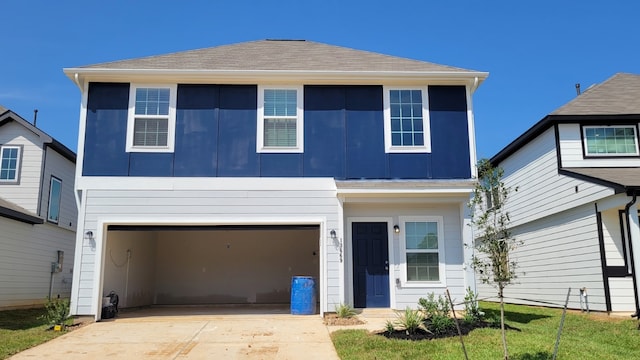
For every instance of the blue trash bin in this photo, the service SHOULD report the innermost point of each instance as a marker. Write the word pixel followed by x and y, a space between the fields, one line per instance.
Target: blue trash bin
pixel 303 295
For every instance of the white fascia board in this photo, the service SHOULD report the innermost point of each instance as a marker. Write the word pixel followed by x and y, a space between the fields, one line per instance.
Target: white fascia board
pixel 404 191
pixel 275 76
pixel 204 183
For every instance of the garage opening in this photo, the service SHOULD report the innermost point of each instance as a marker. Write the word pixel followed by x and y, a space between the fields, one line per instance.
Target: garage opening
pixel 208 265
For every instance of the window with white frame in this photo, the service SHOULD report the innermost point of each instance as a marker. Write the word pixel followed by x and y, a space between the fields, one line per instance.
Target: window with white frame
pixel 406 120
pixel 280 119
pixel 422 248
pixel 55 196
pixel 152 119
pixel 610 140
pixel 9 163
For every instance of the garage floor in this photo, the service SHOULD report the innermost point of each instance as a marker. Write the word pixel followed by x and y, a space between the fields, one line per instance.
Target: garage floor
pixel 220 332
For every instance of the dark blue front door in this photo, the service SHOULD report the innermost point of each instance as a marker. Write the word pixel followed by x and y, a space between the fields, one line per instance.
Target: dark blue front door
pixel 370 264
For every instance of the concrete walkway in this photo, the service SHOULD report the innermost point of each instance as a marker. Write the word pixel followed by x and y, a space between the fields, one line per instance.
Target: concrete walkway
pixel 194 333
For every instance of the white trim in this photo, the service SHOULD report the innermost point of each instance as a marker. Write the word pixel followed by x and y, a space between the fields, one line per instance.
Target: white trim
pixel 322 77
pixel 16 180
pixel 348 257
pixel 389 148
pixel 340 232
pixel 605 155
pixel 473 155
pixel 81 136
pixel 299 148
pixel 77 259
pixel 103 222
pixel 171 118
pixel 441 252
pixel 467 247
pixel 204 183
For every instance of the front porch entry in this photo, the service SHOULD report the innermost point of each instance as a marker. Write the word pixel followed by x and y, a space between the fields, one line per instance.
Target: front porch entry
pixel 370 264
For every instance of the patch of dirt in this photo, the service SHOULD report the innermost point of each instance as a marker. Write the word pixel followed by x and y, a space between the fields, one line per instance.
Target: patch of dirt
pixel 334 320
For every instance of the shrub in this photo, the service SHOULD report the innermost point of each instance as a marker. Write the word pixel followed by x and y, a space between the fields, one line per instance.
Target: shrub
pixel 472 312
pixel 434 307
pixel 57 311
pixel 345 311
pixel 389 327
pixel 410 321
pixel 436 313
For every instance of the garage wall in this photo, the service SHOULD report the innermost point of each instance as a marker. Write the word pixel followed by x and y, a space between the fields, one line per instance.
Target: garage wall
pixel 233 266
pixel 129 267
pixel 200 201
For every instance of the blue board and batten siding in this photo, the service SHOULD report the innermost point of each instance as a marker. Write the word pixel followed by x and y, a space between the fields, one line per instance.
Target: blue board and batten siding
pixel 216 136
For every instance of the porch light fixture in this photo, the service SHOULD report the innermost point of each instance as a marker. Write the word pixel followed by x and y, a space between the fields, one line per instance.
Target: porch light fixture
pixel 89 234
pixel 396 229
pixel 332 233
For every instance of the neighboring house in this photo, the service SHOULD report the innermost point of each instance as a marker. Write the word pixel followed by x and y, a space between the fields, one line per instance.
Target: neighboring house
pixel 577 175
pixel 214 176
pixel 37 214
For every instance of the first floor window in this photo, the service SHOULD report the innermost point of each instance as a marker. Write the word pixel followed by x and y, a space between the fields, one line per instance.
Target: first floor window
pixel 610 140
pixel 423 250
pixel 280 125
pixel 55 195
pixel 406 120
pixel 151 118
pixel 10 159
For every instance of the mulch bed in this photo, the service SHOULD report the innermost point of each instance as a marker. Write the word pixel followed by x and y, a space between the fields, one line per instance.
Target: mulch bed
pixel 425 335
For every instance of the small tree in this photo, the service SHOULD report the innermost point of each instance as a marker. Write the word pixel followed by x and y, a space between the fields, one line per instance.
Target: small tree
pixel 494 244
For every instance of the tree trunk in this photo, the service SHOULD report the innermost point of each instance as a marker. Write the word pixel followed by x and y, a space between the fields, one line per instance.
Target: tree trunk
pixel 504 333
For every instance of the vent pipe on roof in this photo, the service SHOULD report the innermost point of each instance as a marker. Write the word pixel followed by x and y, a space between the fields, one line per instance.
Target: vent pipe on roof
pixel 578 89
pixel 35 116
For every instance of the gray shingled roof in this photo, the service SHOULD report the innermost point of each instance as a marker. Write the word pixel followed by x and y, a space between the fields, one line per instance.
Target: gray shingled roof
pixel 2 109
pixel 13 211
pixel 624 177
pixel 618 95
pixel 283 55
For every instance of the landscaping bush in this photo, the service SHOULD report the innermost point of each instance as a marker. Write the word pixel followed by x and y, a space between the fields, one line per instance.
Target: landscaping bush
pixel 56 311
pixel 410 321
pixel 345 311
pixel 436 314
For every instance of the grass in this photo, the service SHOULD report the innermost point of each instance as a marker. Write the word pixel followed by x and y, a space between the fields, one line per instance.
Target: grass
pixel 531 336
pixel 22 329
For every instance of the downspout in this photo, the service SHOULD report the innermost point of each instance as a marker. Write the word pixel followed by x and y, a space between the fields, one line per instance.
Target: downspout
pixel 473 87
pixel 76 80
pixel 636 276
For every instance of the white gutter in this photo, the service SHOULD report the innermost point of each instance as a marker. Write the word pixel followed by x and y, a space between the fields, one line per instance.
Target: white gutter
pixel 276 76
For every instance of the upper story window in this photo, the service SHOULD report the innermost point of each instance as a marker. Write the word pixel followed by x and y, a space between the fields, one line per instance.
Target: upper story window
pixel 422 247
pixel 610 141
pixel 55 196
pixel 9 163
pixel 280 119
pixel 152 119
pixel 406 120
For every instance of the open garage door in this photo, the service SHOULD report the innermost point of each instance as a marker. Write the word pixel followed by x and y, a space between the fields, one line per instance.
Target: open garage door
pixel 205 265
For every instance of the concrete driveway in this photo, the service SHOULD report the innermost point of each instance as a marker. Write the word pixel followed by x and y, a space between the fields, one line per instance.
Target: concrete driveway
pixel 194 333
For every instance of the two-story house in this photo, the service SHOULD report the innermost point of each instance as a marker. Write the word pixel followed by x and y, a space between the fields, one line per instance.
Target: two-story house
pixel 214 176
pixel 37 214
pixel 577 175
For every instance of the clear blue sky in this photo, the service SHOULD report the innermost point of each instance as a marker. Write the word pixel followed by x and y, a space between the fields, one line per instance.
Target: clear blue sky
pixel 534 51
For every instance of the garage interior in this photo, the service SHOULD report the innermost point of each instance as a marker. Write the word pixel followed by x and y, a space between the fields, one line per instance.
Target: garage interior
pixel 208 265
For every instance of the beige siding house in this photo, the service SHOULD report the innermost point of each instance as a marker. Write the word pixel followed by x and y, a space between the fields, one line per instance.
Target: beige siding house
pixel 37 214
pixel 577 175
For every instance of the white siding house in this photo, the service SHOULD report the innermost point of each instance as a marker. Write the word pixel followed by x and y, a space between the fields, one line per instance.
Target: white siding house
pixel 234 173
pixel 574 180
pixel 38 220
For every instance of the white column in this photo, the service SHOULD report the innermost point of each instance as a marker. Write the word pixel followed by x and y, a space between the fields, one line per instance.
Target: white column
pixel 467 242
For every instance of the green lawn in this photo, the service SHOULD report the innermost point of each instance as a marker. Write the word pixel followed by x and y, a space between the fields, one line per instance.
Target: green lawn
pixel 21 329
pixel 532 337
